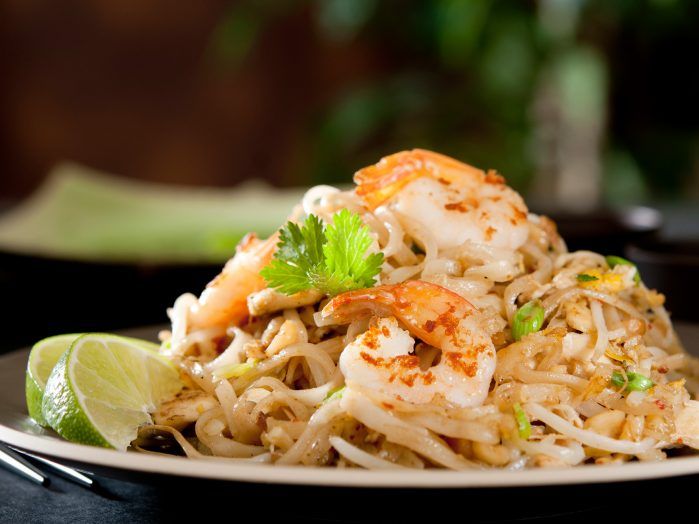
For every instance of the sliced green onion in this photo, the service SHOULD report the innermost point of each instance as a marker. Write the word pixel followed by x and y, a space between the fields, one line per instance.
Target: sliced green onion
pixel 617 379
pixel 614 261
pixel 334 394
pixel 636 381
pixel 524 428
pixel 528 319
pixel 584 277
pixel 235 370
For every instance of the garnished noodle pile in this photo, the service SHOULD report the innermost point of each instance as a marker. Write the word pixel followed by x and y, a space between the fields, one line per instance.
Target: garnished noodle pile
pixel 262 368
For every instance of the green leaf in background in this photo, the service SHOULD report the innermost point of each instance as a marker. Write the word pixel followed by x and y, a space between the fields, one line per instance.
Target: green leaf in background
pixel 82 214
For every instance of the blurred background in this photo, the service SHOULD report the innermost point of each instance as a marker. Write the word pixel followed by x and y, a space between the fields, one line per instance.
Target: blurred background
pixel 592 99
pixel 587 106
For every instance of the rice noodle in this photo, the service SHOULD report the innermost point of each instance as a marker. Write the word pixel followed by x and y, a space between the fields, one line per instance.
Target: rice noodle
pixel 587 437
pixel 308 351
pixel 178 316
pixel 412 437
pixel 317 193
pixel 571 455
pixel 227 398
pixel 602 340
pixel 395 245
pixel 233 354
pixel 220 445
pixel 190 450
pixel 320 421
pixel 530 376
pixel 360 457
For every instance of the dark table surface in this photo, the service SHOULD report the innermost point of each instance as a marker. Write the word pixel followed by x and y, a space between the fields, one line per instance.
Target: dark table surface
pixel 160 500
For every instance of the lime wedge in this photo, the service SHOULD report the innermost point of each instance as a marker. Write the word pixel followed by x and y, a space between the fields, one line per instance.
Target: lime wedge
pixel 104 387
pixel 42 359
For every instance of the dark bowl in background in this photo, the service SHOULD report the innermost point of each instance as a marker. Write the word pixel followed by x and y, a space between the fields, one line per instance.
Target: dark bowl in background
pixel 671 267
pixel 605 231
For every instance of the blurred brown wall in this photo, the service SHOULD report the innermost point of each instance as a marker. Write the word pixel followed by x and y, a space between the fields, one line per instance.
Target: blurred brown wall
pixel 129 86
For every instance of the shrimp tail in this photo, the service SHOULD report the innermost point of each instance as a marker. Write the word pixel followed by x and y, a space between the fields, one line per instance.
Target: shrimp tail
pixel 378 183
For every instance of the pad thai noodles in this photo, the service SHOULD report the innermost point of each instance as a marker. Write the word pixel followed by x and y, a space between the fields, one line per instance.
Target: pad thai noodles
pixel 425 319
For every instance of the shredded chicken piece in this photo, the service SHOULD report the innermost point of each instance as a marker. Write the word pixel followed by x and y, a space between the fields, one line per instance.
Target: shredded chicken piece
pixel 184 409
pixel 268 301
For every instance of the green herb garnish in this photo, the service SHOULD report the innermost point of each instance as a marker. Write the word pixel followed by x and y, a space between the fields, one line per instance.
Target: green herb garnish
pixel 528 319
pixel 524 427
pixel 330 259
pixel 613 261
pixel 584 277
pixel 636 381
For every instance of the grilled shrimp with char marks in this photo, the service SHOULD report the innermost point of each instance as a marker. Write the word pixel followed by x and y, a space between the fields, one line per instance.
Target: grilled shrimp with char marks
pixel 455 201
pixel 382 358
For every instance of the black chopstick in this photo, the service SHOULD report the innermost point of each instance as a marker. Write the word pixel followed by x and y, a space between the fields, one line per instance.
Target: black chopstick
pixel 15 462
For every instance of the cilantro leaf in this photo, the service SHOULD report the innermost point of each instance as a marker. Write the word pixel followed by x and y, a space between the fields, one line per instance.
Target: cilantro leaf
pixel 302 246
pixel 348 240
pixel 299 252
pixel 286 277
pixel 330 259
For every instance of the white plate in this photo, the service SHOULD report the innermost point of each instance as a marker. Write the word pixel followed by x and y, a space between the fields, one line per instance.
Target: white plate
pixel 17 429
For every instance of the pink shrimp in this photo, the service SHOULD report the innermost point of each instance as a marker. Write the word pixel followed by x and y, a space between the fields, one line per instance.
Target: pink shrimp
pixel 382 357
pixel 224 301
pixel 455 201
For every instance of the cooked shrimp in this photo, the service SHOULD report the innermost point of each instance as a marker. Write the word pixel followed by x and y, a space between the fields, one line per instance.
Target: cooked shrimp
pixel 455 201
pixel 382 357
pixel 224 301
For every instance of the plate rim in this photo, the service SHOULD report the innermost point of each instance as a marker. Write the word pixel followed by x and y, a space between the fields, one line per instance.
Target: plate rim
pixel 222 469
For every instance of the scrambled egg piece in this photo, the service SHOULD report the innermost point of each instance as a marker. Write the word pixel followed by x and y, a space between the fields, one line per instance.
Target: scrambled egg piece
pixel 613 281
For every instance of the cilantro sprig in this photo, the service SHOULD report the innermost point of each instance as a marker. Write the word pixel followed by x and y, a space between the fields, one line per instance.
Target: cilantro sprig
pixel 331 259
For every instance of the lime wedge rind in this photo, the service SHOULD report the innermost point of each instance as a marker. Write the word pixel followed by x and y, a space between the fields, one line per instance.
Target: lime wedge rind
pixel 61 408
pixel 103 388
pixel 34 395
pixel 42 359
